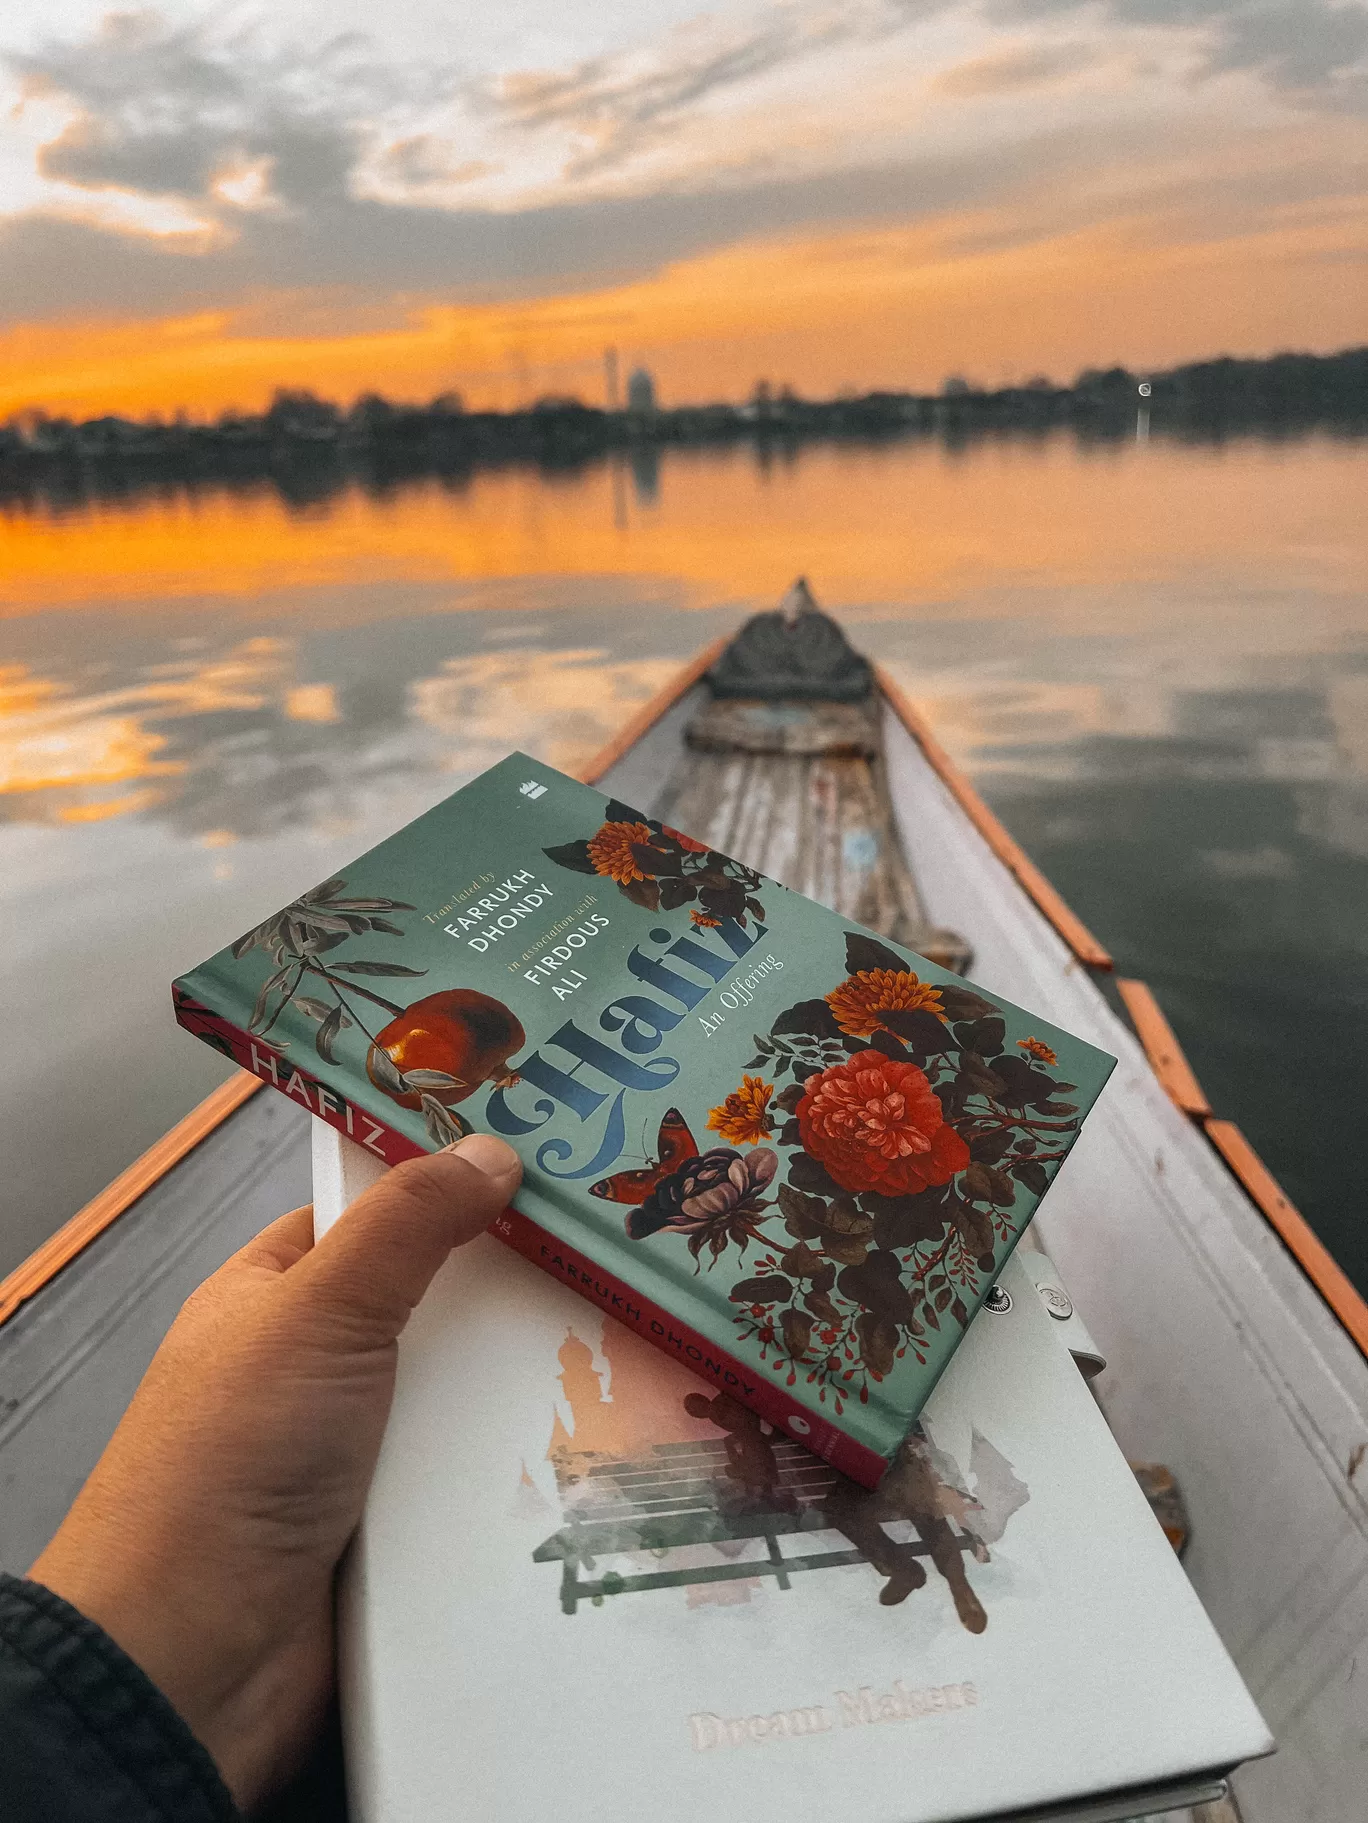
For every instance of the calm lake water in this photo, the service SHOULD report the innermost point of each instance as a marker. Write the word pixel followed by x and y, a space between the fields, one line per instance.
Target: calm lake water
pixel 1152 657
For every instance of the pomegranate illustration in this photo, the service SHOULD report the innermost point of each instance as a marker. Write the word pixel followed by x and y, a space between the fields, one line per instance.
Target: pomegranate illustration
pixel 460 1034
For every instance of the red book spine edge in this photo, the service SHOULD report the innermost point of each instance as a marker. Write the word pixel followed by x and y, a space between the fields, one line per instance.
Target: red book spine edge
pixel 712 1364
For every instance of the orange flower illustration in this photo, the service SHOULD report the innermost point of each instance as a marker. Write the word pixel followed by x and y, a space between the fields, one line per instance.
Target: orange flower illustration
pixel 744 1117
pixel 1037 1048
pixel 703 921
pixel 611 851
pixel 860 1002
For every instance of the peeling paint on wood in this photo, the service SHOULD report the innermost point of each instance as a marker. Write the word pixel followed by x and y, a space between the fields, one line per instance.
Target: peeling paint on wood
pixel 802 796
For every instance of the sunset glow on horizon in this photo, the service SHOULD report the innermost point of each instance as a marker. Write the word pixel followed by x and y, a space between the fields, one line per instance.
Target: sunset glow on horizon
pixel 195 212
pixel 864 309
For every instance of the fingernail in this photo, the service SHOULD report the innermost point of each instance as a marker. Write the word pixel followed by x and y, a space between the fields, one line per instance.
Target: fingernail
pixel 490 1156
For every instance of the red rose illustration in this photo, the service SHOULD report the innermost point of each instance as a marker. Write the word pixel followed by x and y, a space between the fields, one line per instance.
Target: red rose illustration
pixel 876 1124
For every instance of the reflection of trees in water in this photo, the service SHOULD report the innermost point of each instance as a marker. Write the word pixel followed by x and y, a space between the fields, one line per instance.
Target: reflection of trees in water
pixel 646 474
pixel 306 452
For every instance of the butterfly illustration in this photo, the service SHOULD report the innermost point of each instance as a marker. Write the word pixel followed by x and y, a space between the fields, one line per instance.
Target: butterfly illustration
pixel 675 1146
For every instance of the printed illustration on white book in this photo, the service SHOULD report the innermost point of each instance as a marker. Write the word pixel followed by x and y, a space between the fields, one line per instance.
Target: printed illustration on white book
pixel 660 1485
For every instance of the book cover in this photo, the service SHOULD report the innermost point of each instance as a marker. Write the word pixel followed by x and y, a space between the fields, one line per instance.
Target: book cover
pixel 587 1585
pixel 790 1152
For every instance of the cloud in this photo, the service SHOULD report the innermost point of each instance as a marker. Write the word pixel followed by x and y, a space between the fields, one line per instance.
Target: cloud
pixel 1020 66
pixel 1314 51
pixel 329 170
pixel 164 111
pixel 620 104
pixel 368 248
pixel 426 158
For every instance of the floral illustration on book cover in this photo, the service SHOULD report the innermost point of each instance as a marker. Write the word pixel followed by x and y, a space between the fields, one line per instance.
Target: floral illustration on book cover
pixel 883 1143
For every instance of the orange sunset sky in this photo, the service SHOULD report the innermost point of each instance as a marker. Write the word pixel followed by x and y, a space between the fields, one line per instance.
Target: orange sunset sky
pixel 199 204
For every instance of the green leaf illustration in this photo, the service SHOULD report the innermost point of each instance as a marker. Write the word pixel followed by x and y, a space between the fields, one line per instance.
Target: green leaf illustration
pixel 375 968
pixel 326 1035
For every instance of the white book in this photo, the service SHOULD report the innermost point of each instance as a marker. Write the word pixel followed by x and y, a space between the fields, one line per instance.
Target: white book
pixel 586 1588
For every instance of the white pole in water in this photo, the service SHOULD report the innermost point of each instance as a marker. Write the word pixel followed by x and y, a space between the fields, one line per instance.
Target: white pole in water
pixel 1142 413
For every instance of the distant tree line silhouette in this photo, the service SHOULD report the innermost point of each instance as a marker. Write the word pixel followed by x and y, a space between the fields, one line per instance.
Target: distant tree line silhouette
pixel 309 448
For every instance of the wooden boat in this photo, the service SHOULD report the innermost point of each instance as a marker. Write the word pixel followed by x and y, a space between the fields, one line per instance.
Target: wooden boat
pixel 1236 1347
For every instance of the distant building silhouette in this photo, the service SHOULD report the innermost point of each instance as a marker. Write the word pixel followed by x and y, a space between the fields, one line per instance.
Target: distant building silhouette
pixel 612 399
pixel 641 392
pixel 956 387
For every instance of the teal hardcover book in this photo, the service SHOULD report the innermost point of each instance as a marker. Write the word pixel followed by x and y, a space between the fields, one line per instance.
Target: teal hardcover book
pixel 790 1153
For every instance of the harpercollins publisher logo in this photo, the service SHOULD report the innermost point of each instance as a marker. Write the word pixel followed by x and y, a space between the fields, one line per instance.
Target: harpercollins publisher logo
pixel 531 789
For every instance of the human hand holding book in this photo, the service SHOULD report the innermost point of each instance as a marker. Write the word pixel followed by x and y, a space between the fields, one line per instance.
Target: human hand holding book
pixel 206 1542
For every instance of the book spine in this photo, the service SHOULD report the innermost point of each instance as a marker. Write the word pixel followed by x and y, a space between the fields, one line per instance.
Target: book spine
pixel 720 1370
pixel 282 1073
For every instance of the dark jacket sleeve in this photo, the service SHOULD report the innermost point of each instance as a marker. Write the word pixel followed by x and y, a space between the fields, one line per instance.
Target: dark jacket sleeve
pixel 85 1737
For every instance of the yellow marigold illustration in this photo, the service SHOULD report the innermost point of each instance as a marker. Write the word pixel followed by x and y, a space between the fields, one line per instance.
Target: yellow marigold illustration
pixel 744 1117
pixel 611 851
pixel 1037 1048
pixel 860 1002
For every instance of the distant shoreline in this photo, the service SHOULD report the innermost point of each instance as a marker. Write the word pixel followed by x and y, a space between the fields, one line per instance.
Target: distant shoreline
pixel 315 448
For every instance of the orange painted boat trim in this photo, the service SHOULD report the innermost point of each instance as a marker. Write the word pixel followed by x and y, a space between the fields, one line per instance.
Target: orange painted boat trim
pixel 77 1234
pixel 1163 1050
pixel 1027 875
pixel 650 713
pixel 1310 1253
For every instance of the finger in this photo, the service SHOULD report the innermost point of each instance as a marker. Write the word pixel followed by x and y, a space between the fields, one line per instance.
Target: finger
pixel 278 1247
pixel 378 1259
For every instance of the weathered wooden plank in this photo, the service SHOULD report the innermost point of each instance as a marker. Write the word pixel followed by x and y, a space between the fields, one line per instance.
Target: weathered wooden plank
pixel 736 725
pixel 809 808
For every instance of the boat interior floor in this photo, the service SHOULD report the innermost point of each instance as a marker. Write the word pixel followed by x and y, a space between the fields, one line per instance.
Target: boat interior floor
pixel 799 792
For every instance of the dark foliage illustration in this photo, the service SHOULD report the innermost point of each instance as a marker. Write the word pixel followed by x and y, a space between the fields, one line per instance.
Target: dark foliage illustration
pixel 661 870
pixel 900 1144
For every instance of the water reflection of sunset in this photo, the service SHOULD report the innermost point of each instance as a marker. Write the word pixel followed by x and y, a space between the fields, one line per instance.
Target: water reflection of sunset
pixel 917 525
pixel 226 720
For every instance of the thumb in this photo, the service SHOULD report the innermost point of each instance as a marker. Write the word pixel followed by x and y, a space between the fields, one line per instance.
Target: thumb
pixel 378 1259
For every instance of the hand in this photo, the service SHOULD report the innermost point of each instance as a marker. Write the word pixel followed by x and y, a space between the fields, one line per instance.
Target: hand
pixel 206 1540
